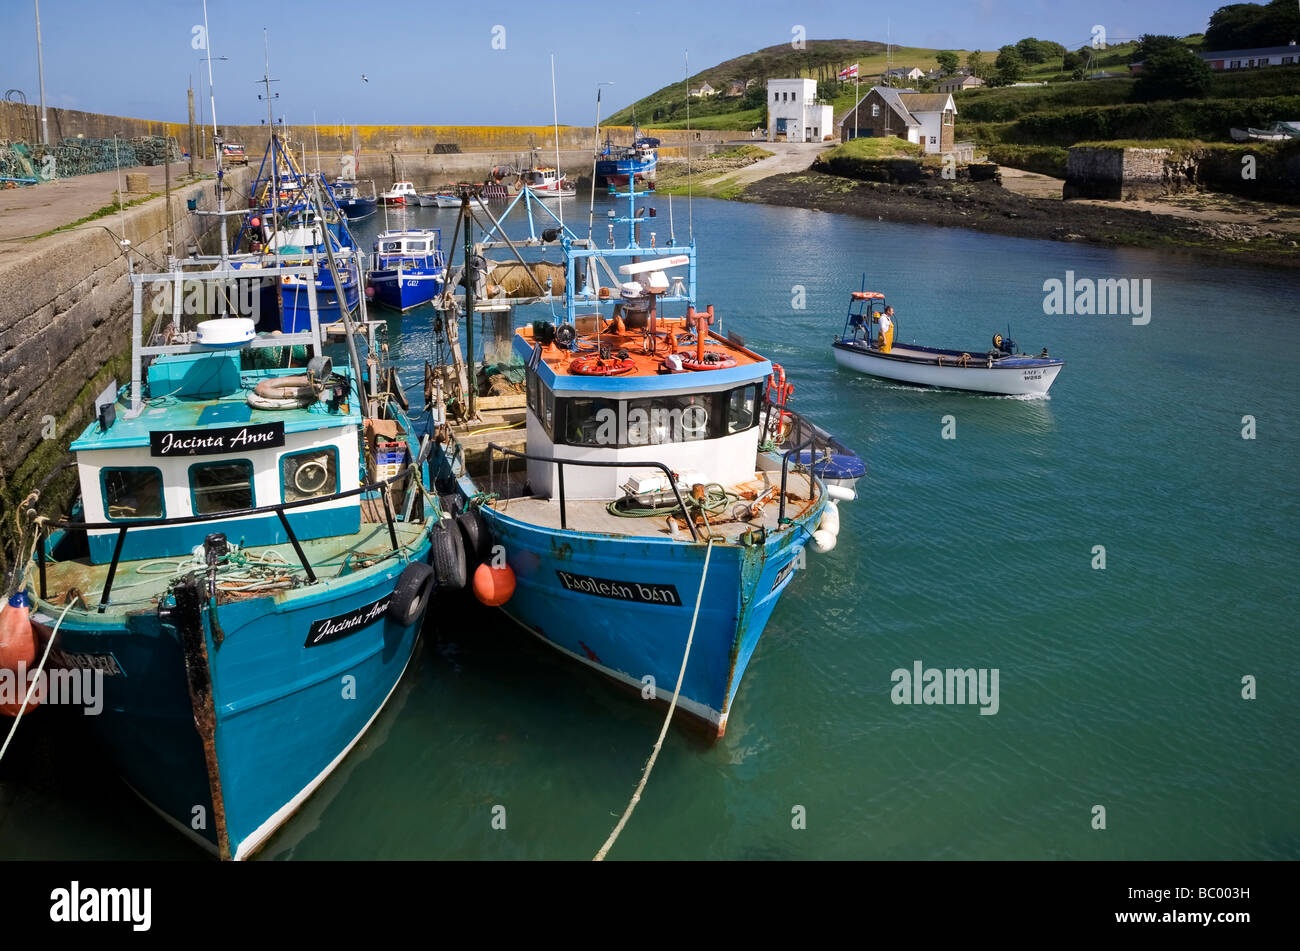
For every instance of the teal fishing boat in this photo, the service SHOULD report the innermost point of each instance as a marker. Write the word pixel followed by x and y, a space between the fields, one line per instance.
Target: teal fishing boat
pixel 248 565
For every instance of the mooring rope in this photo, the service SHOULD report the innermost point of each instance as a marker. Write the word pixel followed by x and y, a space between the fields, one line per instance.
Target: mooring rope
pixel 35 680
pixel 654 754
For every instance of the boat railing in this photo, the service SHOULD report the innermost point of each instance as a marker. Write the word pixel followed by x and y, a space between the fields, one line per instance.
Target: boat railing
pixel 278 509
pixel 595 463
pixel 810 445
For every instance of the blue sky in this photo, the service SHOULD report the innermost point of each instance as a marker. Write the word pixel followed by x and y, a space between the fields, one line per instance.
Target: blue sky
pixel 434 62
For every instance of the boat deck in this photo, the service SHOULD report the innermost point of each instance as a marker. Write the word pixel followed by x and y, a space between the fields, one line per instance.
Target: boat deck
pixel 268 568
pixel 634 342
pixel 593 515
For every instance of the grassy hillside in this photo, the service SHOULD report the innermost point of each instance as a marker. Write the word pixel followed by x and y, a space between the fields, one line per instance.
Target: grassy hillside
pixel 820 59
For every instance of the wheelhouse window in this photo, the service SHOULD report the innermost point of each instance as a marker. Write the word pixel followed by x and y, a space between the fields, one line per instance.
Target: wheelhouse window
pixel 309 475
pixel 742 407
pixel 655 421
pixel 132 493
pixel 221 486
pixel 541 401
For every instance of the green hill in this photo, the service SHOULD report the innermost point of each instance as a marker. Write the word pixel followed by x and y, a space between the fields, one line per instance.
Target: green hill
pixel 820 59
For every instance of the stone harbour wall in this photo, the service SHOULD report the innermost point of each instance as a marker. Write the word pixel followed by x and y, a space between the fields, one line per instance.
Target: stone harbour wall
pixel 65 329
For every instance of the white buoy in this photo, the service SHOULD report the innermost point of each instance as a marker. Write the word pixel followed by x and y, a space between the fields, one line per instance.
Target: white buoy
pixel 841 493
pixel 830 520
pixel 822 541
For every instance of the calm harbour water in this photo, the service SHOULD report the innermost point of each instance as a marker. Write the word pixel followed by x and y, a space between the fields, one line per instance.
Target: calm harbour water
pixel 1119 687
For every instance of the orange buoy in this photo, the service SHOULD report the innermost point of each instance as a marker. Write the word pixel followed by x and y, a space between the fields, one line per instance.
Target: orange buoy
pixel 17 647
pixel 494 586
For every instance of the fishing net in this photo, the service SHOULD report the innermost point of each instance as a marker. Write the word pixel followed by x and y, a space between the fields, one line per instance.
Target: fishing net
pixel 85 156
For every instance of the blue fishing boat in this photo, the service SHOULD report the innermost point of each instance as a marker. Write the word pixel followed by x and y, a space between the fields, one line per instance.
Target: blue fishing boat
pixel 292 215
pixel 660 506
pixel 408 267
pixel 619 164
pixel 248 567
pixel 350 200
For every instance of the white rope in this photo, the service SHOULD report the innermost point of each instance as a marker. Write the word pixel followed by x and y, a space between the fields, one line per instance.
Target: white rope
pixel 654 754
pixel 35 680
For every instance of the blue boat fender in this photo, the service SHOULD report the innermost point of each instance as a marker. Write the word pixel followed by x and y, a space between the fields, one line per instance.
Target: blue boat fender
pixel 412 593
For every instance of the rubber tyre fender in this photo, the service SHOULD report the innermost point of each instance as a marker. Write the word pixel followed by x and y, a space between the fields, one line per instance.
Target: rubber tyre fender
pixel 411 595
pixel 478 537
pixel 449 557
pixel 451 503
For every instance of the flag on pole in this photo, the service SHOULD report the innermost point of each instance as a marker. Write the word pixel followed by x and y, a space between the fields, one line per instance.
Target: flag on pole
pixel 849 72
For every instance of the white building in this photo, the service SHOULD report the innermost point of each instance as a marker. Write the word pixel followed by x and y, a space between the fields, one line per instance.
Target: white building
pixel 794 113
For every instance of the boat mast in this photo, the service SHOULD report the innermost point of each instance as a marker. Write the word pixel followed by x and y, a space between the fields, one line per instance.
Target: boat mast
pixel 559 178
pixel 266 81
pixel 216 142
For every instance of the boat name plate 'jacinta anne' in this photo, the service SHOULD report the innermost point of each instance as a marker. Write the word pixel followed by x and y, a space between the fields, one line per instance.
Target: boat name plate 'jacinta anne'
pixel 214 441
pixel 621 590
pixel 341 625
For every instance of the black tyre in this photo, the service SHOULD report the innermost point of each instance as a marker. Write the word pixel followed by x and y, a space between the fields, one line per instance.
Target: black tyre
pixel 449 557
pixel 452 503
pixel 478 539
pixel 412 593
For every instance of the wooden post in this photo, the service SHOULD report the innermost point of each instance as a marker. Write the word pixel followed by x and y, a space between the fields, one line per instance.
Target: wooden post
pixel 190 96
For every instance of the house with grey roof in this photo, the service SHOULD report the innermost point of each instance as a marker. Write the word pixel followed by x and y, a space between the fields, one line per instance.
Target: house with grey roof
pixel 924 118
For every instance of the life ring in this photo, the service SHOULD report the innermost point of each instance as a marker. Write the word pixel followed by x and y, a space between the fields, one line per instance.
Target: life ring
pixel 713 360
pixel 593 365
pixel 285 392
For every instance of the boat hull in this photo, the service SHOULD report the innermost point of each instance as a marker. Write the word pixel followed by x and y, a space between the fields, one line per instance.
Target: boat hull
pixel 406 288
pixel 640 631
pixel 356 208
pixel 286 714
pixel 616 172
pixel 295 311
pixel 1023 377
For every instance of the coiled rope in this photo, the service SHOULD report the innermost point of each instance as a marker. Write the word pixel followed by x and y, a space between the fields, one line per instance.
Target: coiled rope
pixel 654 753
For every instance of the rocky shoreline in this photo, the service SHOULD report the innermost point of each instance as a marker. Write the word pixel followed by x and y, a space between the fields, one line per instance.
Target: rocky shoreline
pixel 987 206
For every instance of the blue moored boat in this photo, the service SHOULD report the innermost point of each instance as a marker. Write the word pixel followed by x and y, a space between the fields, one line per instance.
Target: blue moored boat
pixel 619 164
pixel 661 461
pixel 248 567
pixel 350 200
pixel 409 268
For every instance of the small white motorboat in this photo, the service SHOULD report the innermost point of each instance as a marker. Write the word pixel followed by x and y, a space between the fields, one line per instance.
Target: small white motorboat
pixel 402 193
pixel 999 370
pixel 443 200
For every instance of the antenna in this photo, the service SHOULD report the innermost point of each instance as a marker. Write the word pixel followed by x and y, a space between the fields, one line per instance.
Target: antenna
pixel 690 204
pixel 216 141
pixel 266 81
pixel 559 178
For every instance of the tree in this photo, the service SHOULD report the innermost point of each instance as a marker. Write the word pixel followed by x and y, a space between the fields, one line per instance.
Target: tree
pixel 1009 64
pixel 975 63
pixel 1031 50
pixel 1173 73
pixel 755 96
pixel 1072 61
pixel 828 89
pixel 1246 25
pixel 947 60
pixel 1149 44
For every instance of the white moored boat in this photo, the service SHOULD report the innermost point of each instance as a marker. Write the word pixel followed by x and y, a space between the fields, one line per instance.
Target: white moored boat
pixel 999 370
